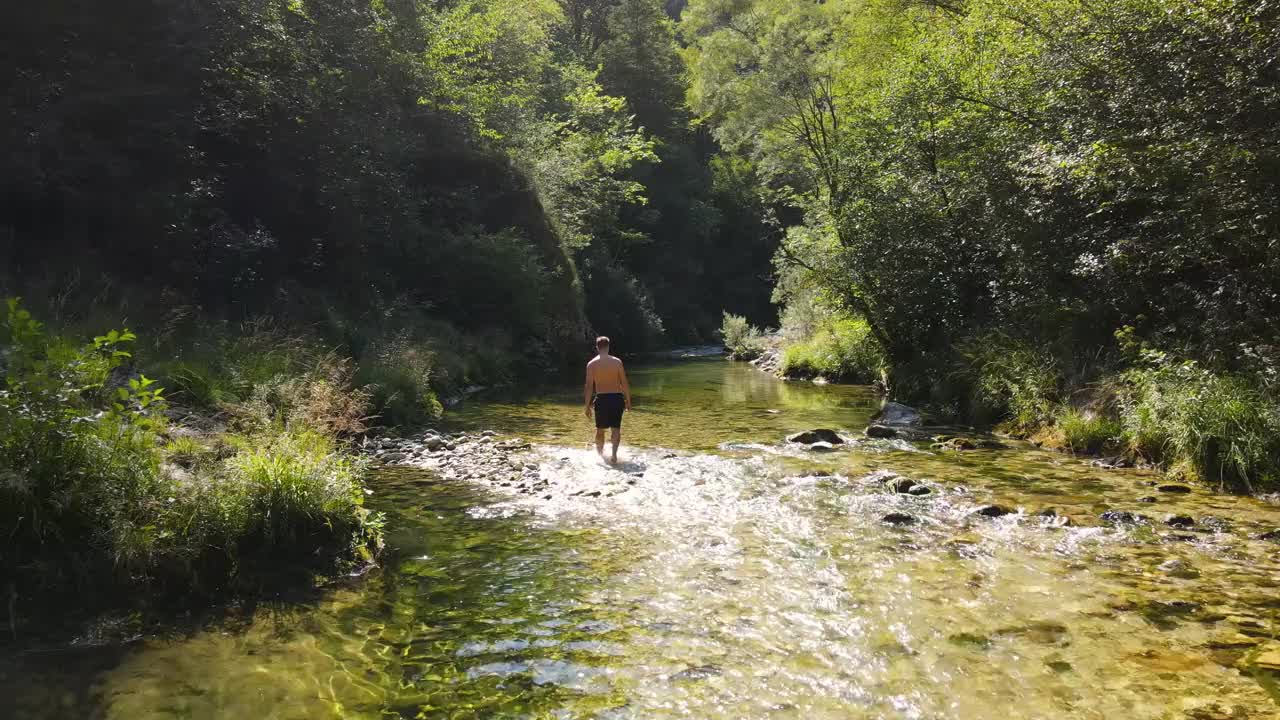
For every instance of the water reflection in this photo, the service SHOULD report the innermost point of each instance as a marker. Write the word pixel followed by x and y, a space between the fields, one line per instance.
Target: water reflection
pixel 740 583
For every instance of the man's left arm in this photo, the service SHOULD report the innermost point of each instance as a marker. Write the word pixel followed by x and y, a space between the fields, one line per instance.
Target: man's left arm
pixel 626 386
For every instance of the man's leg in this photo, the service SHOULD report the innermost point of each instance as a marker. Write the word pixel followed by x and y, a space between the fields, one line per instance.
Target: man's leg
pixel 600 442
pixel 615 437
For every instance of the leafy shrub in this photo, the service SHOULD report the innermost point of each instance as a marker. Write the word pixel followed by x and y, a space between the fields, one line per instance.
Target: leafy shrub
pixel 78 439
pixel 1011 380
pixel 1221 427
pixel 90 496
pixel 843 349
pixel 1086 432
pixel 743 341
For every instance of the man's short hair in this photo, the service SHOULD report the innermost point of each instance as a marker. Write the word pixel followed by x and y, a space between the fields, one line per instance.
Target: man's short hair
pixel 602 342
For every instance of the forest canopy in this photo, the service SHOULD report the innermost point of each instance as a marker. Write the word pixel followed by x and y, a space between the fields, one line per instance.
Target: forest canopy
pixel 522 166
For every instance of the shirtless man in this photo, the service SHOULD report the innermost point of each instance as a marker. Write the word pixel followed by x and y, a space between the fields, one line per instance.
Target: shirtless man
pixel 607 382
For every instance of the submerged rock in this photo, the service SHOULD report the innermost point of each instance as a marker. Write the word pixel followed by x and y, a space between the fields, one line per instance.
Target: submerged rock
pixel 700 672
pixel 963 443
pixel 1215 524
pixel 1183 489
pixel 880 432
pixel 1267 657
pixel 1273 535
pixel 1179 569
pixel 993 511
pixel 809 437
pixel 899 519
pixel 1116 461
pixel 1179 521
pixel 1122 517
pixel 901 485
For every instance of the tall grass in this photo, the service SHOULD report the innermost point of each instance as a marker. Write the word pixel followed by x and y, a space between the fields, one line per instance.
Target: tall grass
pixel 1087 432
pixel 1221 427
pixel 399 375
pixel 1011 381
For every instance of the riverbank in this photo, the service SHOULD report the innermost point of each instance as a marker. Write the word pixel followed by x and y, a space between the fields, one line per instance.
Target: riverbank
pixel 117 496
pixel 1145 407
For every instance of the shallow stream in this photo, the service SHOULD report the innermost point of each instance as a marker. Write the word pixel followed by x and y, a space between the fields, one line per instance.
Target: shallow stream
pixel 725 574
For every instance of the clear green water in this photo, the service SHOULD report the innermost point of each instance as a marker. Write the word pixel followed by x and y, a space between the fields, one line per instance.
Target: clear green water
pixel 722 575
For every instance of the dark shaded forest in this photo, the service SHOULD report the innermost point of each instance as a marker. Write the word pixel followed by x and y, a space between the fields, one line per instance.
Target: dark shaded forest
pixel 515 170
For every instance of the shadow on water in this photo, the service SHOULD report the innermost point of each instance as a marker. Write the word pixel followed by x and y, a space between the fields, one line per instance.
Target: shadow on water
pixel 472 612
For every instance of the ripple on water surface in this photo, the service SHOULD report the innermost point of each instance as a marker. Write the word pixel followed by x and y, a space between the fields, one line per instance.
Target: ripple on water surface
pixel 714 580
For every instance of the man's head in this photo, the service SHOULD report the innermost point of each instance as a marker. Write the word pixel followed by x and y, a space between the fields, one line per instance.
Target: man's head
pixel 602 344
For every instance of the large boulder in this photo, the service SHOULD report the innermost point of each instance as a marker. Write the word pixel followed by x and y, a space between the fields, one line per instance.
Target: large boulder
pixel 893 413
pixel 808 437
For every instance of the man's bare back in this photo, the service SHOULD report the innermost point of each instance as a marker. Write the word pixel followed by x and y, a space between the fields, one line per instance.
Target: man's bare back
pixel 607 393
pixel 606 374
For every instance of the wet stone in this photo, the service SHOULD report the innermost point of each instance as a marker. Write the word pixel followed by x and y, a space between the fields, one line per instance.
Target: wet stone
pixel 1148 499
pixel 1179 521
pixel 880 431
pixel 993 511
pixel 1179 489
pixel 902 485
pixel 811 437
pixel 898 519
pixel 1272 535
pixel 1122 517
pixel 920 490
pixel 1216 524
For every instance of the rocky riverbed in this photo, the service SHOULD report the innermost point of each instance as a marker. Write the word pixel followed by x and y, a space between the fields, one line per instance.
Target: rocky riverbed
pixel 512 466
pixel 506 464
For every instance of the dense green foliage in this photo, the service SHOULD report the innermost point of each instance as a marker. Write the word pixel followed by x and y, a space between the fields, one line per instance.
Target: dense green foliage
pixel 481 166
pixel 1223 427
pixel 1041 172
pixel 99 490
pixel 840 349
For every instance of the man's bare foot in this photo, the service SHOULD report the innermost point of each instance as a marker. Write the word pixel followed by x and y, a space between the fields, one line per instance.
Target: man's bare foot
pixel 613 460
